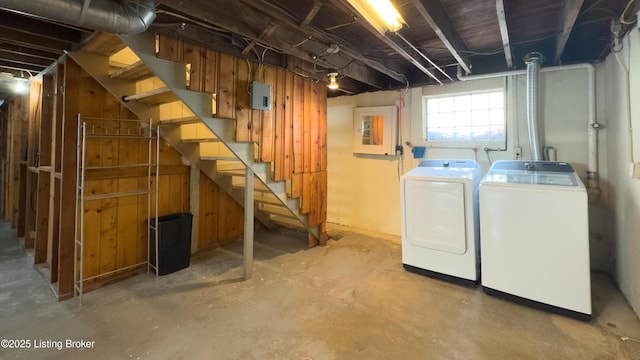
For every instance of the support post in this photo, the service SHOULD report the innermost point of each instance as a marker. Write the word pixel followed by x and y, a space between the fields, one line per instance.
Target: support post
pixel 248 224
pixel 194 204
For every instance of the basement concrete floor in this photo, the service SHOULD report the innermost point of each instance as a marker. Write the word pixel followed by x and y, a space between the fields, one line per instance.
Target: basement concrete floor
pixel 348 300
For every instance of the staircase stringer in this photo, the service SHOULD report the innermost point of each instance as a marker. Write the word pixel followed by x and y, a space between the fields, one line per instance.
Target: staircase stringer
pixel 172 74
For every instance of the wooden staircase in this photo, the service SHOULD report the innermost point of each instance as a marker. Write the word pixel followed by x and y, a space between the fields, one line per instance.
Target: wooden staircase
pixel 293 194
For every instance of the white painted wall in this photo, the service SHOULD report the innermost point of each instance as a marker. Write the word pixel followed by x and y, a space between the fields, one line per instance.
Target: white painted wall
pixel 364 191
pixel 624 191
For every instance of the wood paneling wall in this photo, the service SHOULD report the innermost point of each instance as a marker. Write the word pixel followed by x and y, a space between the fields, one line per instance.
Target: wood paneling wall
pixel 292 135
pixel 221 218
pixel 41 134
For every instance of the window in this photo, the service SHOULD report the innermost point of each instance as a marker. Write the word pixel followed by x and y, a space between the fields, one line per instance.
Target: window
pixel 466 117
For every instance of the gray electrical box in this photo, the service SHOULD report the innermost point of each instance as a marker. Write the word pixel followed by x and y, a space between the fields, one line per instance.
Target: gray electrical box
pixel 260 96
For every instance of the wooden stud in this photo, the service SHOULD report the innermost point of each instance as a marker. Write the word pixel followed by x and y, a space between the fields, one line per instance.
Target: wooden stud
pixel 68 182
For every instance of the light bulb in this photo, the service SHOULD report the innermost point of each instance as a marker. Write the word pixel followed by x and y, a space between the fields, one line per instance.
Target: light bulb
pixel 333 84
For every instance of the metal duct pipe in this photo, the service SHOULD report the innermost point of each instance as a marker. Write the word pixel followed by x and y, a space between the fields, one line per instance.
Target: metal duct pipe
pixel 122 17
pixel 533 61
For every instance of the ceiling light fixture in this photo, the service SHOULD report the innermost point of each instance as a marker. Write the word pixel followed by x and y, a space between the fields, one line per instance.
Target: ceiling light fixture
pixel 381 14
pixel 333 84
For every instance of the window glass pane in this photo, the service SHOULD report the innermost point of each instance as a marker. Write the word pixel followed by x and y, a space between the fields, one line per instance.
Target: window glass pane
pixel 463 103
pixel 481 117
pixel 432 120
pixel 447 133
pixel 496 117
pixel 466 117
pixel 446 119
pixel 496 100
pixel 446 104
pixel 480 133
pixel 432 106
pixel 463 118
pixel 497 133
pixel 463 134
pixel 433 135
pixel 479 101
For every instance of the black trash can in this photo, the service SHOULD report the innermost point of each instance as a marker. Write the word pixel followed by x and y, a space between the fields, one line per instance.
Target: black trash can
pixel 174 242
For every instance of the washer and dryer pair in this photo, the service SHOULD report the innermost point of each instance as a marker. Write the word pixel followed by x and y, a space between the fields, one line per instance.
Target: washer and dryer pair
pixel 524 227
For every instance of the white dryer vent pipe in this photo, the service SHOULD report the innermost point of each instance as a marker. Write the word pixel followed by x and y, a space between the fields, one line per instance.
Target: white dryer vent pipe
pixel 533 61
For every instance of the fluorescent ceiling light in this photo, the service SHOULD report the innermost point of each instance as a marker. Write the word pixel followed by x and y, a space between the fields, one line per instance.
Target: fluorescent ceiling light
pixel 333 84
pixel 381 14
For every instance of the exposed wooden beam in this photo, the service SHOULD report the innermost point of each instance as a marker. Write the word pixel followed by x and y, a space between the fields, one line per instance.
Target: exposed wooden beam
pixel 570 11
pixel 265 33
pixel 435 15
pixel 321 36
pixel 312 13
pixel 33 41
pixel 21 50
pixel 24 59
pixel 33 26
pixel 504 32
pixel 221 13
pixel 19 66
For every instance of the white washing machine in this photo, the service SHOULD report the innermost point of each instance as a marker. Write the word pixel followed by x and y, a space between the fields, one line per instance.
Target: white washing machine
pixel 439 220
pixel 534 232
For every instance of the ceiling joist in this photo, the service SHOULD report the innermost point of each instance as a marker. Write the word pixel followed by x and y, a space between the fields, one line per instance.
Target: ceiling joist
pixel 323 37
pixel 220 13
pixel 504 32
pixel 570 11
pixel 435 15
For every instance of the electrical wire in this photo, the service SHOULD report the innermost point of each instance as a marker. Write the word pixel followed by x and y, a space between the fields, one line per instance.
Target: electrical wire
pixel 622 16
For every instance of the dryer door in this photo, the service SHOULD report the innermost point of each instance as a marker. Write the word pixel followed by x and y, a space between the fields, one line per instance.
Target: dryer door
pixel 435 215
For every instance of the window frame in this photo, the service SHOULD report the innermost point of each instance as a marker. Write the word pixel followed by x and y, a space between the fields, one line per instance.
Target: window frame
pixel 464 143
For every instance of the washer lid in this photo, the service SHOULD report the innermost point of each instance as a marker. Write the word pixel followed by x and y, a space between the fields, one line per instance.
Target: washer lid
pixel 530 165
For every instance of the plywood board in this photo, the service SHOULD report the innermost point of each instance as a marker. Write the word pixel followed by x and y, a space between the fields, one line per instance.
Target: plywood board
pixel 307 124
pixel 212 59
pixel 227 93
pixel 267 138
pixel 170 49
pixel 243 109
pixel 279 115
pixel 42 218
pixel 288 126
pixel 193 55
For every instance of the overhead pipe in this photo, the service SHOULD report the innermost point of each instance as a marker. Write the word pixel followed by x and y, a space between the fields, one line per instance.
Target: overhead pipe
pixel 533 61
pixel 117 17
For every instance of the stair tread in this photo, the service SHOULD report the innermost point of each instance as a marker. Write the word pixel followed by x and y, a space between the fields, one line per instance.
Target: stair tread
pixel 200 140
pixel 276 209
pixel 233 172
pixel 180 121
pixel 154 97
pixel 134 72
pixel 286 221
pixel 215 158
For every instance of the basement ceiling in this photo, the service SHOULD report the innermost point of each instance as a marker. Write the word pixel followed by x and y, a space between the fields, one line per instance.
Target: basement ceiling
pixel 440 40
